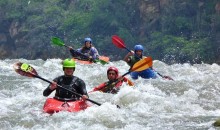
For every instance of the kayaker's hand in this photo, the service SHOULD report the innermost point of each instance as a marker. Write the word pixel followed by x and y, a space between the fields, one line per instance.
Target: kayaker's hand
pixel 120 78
pixel 97 57
pixel 90 58
pixel 70 48
pixel 84 97
pixel 127 59
pixel 53 85
pixel 131 53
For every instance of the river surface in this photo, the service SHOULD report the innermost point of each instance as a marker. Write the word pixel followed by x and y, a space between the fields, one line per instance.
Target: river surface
pixel 190 102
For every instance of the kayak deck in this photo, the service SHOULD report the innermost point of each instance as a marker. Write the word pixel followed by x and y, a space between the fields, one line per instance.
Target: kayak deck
pixel 103 58
pixel 52 105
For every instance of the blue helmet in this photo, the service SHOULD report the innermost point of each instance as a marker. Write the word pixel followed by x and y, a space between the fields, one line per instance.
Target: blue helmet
pixel 138 47
pixel 88 39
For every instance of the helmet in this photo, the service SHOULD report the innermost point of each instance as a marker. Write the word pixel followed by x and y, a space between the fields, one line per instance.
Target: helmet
pixel 138 47
pixel 88 39
pixel 69 63
pixel 114 69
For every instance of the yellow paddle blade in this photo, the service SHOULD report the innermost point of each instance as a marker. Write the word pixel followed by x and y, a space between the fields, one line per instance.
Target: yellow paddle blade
pixel 142 64
pixel 130 83
pixel 24 69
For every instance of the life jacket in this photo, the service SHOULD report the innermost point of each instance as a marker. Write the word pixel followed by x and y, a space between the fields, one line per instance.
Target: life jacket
pixel 133 60
pixel 62 94
pixel 92 51
pixel 112 88
pixel 86 51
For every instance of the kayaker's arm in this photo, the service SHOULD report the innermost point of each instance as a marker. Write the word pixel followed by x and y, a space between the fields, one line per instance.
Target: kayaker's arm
pixel 95 54
pixel 100 87
pixel 126 58
pixel 77 54
pixel 47 91
pixel 50 88
pixel 82 87
pixel 73 52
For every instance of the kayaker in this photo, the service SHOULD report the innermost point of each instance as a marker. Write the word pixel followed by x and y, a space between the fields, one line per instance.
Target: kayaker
pixel 69 82
pixel 134 56
pixel 88 50
pixel 114 83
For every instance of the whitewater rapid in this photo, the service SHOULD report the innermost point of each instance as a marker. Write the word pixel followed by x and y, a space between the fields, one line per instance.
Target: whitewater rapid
pixel 191 101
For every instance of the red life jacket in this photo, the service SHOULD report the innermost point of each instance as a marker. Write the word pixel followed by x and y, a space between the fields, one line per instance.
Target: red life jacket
pixel 112 88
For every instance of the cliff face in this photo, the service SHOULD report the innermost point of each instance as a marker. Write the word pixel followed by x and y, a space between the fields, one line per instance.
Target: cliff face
pixel 14 41
pixel 217 36
pixel 151 12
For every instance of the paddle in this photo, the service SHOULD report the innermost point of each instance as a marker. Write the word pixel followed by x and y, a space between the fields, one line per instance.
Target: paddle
pixel 138 66
pixel 59 42
pixel 26 70
pixel 117 41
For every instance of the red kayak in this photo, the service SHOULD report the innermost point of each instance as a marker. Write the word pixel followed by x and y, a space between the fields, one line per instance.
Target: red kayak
pixel 53 105
pixel 101 58
pixel 83 61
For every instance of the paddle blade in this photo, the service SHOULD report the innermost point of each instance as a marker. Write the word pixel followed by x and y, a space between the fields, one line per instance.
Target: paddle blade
pixel 142 64
pixel 103 60
pixel 24 69
pixel 118 41
pixel 100 61
pixel 167 77
pixel 57 41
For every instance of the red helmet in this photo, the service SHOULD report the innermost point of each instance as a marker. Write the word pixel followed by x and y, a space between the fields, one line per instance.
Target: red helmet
pixel 114 69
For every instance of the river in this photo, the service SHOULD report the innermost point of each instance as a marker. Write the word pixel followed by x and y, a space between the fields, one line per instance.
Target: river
pixel 190 102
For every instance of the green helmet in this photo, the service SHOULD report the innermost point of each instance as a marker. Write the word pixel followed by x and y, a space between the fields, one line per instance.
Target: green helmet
pixel 69 63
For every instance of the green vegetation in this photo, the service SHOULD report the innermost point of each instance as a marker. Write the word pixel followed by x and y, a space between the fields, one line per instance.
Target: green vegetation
pixel 177 32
